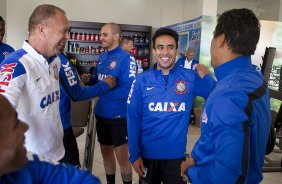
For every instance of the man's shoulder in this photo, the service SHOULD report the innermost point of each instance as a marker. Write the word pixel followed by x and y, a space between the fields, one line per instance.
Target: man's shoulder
pixel 195 61
pixel 13 64
pixel 146 75
pixel 6 47
pixel 123 54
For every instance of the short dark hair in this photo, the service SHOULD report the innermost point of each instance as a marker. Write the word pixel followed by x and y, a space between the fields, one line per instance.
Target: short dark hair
pixel 125 39
pixel 241 29
pixel 165 31
pixel 1 19
pixel 40 14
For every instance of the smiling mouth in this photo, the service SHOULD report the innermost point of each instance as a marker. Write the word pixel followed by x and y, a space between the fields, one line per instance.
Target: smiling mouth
pixel 165 59
pixel 62 44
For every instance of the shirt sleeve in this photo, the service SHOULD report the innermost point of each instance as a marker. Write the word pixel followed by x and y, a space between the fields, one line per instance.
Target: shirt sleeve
pixel 204 86
pixel 47 172
pixel 219 150
pixel 12 81
pixel 69 80
pixel 134 120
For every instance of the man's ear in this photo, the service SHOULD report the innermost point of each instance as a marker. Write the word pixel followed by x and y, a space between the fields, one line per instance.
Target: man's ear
pixel 221 40
pixel 42 29
pixel 154 52
pixel 117 36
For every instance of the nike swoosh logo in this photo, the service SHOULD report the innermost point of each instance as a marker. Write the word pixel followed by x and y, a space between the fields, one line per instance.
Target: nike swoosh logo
pixel 38 79
pixel 149 88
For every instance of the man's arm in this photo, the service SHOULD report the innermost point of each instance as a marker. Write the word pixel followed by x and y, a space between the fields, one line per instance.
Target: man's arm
pixel 69 80
pixel 204 82
pixel 134 120
pixel 12 80
pixel 218 153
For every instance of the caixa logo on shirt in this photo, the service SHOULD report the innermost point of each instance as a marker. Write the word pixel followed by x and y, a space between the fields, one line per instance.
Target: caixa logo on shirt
pixel 50 98
pixel 6 75
pixel 166 106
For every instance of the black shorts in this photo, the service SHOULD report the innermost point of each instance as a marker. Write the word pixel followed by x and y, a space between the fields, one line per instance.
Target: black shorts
pixel 71 149
pixel 111 131
pixel 166 171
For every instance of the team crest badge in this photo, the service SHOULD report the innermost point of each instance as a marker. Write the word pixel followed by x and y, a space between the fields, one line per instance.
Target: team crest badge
pixel 113 65
pixel 56 71
pixel 180 87
pixel 204 117
pixel 6 53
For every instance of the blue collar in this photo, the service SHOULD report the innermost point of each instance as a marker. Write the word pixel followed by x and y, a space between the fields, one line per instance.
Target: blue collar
pixel 160 71
pixel 229 67
pixel 114 50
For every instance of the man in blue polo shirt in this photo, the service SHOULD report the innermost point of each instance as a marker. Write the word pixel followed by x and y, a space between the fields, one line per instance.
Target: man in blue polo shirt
pixel 5 49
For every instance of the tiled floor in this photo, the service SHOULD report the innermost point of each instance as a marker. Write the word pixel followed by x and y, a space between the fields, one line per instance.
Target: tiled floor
pixel 98 168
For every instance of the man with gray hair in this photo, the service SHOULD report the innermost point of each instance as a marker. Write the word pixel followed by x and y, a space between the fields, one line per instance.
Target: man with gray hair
pixel 188 62
pixel 29 79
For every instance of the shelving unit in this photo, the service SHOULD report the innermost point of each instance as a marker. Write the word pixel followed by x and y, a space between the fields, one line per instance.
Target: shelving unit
pixel 84 46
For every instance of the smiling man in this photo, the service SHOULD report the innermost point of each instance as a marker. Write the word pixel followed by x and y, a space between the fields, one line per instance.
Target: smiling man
pixel 29 79
pixel 110 109
pixel 159 106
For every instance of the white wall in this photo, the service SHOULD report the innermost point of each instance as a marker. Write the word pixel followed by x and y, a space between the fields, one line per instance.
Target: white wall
pixel 269 10
pixel 156 13
pixel 228 4
pixel 264 9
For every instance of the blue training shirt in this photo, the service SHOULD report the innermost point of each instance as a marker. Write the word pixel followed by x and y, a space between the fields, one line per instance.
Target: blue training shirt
pixel 122 66
pixel 72 90
pixel 38 170
pixel 219 152
pixel 5 50
pixel 158 112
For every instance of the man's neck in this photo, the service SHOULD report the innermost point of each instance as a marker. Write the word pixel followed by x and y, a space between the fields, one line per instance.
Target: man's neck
pixel 112 47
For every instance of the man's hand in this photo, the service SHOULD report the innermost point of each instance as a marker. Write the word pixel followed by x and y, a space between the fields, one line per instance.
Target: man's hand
pixel 85 78
pixel 138 166
pixel 202 70
pixel 185 164
pixel 110 80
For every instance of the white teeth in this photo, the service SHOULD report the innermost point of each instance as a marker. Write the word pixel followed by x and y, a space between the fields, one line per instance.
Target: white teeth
pixel 165 58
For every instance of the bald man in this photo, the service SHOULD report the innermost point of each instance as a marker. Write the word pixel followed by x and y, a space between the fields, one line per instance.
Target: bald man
pixel 110 109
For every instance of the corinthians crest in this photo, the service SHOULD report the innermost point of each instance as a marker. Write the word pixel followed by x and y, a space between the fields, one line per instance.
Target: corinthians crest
pixel 113 65
pixel 180 87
